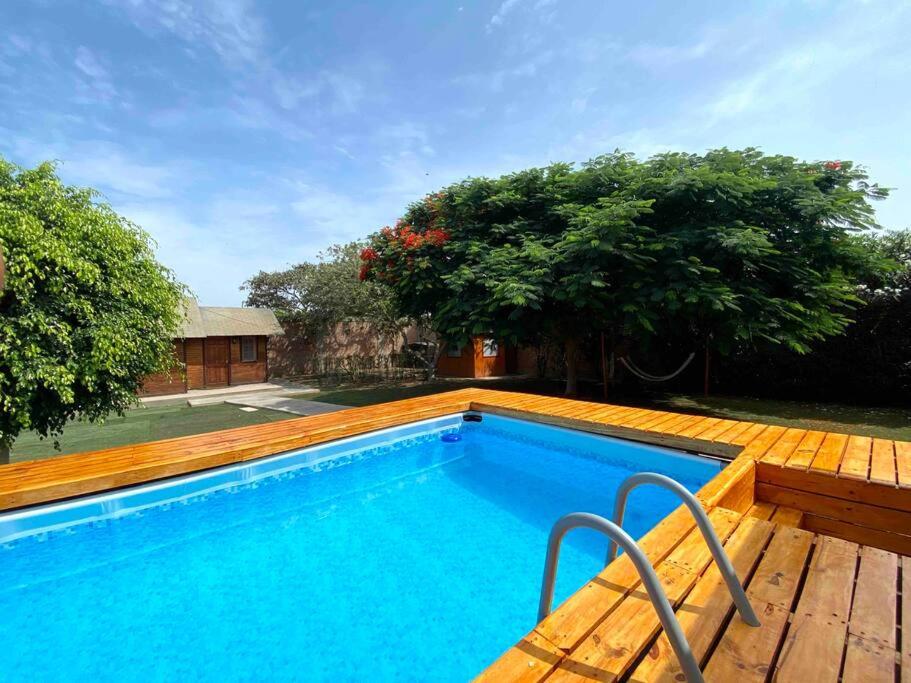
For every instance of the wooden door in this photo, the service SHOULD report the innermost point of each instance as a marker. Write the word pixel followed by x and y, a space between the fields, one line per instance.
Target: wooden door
pixel 216 361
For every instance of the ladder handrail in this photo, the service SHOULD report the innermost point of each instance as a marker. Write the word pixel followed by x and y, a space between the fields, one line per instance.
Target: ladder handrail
pixel 646 574
pixel 705 526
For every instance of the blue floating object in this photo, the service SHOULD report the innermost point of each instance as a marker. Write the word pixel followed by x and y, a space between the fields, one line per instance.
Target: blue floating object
pixel 451 438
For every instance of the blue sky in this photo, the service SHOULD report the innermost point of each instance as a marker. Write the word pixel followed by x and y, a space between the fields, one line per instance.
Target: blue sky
pixel 247 136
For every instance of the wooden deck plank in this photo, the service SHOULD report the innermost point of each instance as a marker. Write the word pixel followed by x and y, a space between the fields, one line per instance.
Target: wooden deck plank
pixel 707 606
pixel 787 516
pixel 659 423
pixel 874 611
pixel 638 417
pixel 752 433
pixel 811 650
pixel 779 453
pixel 528 661
pixel 830 580
pixel 684 424
pixel 716 430
pixel 760 445
pixel 736 432
pixel 903 463
pixel 867 662
pixel 745 653
pixel 698 427
pixel 828 457
pixel 815 639
pixel 817 634
pixel 855 463
pixel 806 450
pixel 882 462
pixel 779 573
pixel 762 510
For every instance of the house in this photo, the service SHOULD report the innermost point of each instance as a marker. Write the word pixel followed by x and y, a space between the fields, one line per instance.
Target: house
pixel 218 347
pixel 480 357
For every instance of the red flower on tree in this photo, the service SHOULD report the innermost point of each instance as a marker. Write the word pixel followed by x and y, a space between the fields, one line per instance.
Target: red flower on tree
pixel 832 165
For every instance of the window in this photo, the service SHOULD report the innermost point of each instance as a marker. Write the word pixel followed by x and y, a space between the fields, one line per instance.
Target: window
pixel 491 348
pixel 454 351
pixel 248 349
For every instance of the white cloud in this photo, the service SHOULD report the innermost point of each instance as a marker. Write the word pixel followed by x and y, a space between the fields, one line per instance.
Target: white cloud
pixel 344 152
pixel 347 91
pixel 257 114
pixel 499 16
pixel 97 84
pixel 230 28
pixel 102 165
pixel 785 81
pixel 290 91
pixel 662 56
pixel 507 6
pixel 495 79
pixel 88 63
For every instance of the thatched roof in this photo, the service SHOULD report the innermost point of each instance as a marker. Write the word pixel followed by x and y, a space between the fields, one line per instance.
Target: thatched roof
pixel 224 321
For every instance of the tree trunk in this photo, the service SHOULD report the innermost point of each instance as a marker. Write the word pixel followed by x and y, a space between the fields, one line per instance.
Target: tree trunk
pixel 604 374
pixel 432 368
pixel 571 346
pixel 4 454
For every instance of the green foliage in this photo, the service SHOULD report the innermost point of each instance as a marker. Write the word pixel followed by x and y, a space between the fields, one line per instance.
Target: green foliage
pixel 316 296
pixel 87 311
pixel 729 248
pixel 870 363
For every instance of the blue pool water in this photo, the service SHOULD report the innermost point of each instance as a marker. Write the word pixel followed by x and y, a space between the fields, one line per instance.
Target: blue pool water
pixel 392 556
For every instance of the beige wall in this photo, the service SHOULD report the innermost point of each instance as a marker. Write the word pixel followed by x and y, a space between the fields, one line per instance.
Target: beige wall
pixel 289 355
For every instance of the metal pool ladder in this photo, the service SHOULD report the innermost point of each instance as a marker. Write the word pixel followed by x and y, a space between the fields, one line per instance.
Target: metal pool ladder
pixel 614 531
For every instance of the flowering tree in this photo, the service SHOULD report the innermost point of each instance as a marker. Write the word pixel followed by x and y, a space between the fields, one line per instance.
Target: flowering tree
pixel 718 250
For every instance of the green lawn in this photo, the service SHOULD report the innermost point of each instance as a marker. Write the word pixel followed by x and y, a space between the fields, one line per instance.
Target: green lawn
pixel 149 424
pixel 139 425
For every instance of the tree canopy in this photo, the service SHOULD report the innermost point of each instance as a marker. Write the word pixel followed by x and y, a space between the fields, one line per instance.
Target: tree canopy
pixel 721 249
pixel 316 296
pixel 87 311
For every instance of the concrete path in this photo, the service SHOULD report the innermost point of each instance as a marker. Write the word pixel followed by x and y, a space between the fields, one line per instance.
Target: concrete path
pixel 203 397
pixel 296 406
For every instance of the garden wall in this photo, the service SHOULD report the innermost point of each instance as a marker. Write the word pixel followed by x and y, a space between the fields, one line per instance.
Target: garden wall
pixel 294 353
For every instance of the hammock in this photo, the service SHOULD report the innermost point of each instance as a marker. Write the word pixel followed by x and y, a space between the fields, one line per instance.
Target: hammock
pixel 641 374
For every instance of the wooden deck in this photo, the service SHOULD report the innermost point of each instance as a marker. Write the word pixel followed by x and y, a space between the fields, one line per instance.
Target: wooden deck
pixel 816 524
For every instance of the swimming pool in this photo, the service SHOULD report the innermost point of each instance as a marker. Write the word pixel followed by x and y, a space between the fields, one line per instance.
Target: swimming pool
pixel 392 555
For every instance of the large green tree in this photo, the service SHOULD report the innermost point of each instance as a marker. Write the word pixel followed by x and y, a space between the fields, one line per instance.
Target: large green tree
pixel 86 313
pixel 721 249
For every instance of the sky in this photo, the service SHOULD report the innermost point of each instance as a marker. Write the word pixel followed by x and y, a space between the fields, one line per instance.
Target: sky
pixel 249 136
